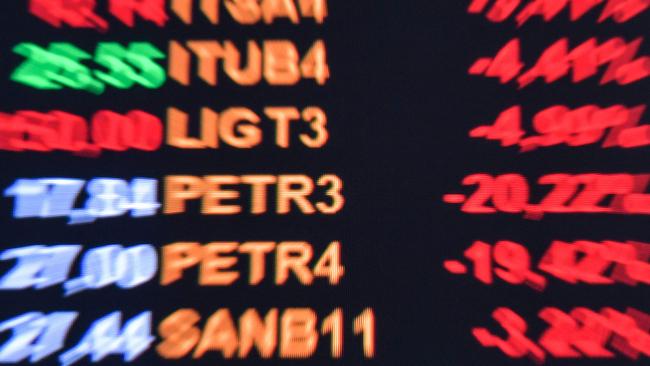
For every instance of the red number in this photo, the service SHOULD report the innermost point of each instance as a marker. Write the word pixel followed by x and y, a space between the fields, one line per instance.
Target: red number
pixel 613 116
pixel 151 10
pixel 517 345
pixel 585 128
pixel 506 128
pixel 557 339
pixel 632 262
pixel 581 126
pixel 552 65
pixel 580 333
pixel 636 202
pixel 565 188
pixel 593 193
pixel 515 259
pixel 549 9
pixel 623 10
pixel 635 137
pixel 476 202
pixel 44 132
pixel 639 270
pixel 481 255
pixel 108 130
pixel 477 6
pixel 559 261
pixel 58 130
pixel 35 131
pixel 627 329
pixel 10 132
pixel 72 131
pixel 626 134
pixel 139 130
pixel 623 67
pixel 592 337
pixel 556 62
pixel 624 255
pixel 580 8
pixel 620 10
pixel 148 131
pixel 511 193
pixel 552 125
pixel 628 343
pixel 502 10
pixel 506 65
pixel 621 186
pixel 589 56
pixel 592 266
pixel 76 13
pixel 585 60
pixel 565 337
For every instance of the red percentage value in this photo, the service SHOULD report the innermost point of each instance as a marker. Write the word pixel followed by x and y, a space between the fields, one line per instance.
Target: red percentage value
pixel 583 261
pixel 580 333
pixel 584 61
pixel 615 126
pixel 583 193
pixel 501 10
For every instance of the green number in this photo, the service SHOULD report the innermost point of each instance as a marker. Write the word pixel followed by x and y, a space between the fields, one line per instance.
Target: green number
pixel 55 68
pixel 60 66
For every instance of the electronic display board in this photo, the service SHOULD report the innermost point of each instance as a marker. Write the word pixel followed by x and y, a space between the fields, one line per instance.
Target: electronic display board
pixel 324 182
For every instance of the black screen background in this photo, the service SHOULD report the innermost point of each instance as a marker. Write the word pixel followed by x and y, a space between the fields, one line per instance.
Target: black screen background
pixel 400 105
